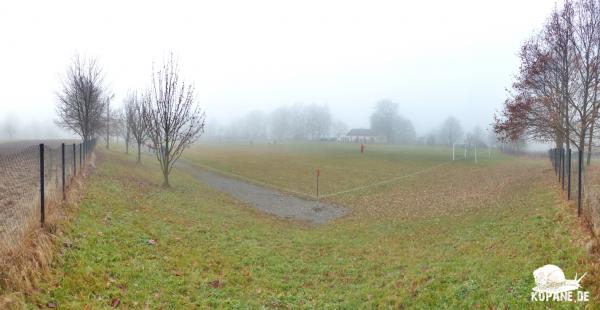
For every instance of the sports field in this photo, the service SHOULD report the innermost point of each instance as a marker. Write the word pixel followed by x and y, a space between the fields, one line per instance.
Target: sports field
pixel 419 231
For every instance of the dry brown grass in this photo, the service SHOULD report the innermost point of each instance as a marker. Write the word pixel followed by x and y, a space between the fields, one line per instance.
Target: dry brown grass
pixel 24 264
pixel 591 209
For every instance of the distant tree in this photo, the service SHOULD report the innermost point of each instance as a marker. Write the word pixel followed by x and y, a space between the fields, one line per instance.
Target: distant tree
pixel 10 126
pixel 431 139
pixel 281 123
pixel 113 126
pixel 109 119
pixel 126 118
pixel 280 128
pixel 172 116
pixel 451 131
pixel 491 137
pixel 213 129
pixel 134 107
pixel 404 131
pixel 339 128
pixel 318 121
pixel 298 121
pixel 383 119
pixel 254 125
pixel 83 98
pixel 386 121
pixel 475 136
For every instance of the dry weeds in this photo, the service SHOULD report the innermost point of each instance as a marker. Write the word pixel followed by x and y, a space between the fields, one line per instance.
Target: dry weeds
pixel 24 263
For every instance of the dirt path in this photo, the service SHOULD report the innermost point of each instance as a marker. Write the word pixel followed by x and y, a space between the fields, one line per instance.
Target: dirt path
pixel 264 199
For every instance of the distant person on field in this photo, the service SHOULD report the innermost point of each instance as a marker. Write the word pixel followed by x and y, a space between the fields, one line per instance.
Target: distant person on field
pixel 362 148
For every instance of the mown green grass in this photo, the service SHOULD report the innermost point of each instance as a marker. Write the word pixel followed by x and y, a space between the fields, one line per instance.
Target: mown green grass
pixel 293 166
pixel 463 236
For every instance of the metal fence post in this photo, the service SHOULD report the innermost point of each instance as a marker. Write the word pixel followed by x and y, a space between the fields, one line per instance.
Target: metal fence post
pixel 559 164
pixel 562 168
pixel 556 162
pixel 42 206
pixel 569 174
pixel 74 161
pixel 62 150
pixel 554 159
pixel 579 187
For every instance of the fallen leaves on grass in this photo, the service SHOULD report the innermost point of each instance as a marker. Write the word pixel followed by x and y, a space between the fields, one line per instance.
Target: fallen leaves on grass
pixel 115 302
pixel 215 284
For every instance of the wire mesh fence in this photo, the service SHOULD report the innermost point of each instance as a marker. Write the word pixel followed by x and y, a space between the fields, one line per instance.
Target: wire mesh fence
pixel 580 181
pixel 569 169
pixel 31 179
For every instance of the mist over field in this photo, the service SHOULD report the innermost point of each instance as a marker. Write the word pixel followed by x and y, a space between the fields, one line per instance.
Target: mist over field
pixel 264 55
pixel 300 154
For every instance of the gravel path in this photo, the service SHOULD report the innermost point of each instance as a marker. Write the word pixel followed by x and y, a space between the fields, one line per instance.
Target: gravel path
pixel 266 200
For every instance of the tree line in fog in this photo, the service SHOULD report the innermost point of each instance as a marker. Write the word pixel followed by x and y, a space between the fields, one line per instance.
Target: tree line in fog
pixel 315 122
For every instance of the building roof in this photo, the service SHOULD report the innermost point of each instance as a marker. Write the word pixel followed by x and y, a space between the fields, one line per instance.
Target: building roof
pixel 360 132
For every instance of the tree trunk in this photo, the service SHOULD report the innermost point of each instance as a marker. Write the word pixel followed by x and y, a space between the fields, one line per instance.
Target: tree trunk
pixel 165 168
pixel 166 178
pixel 589 155
pixel 139 157
pixel 582 141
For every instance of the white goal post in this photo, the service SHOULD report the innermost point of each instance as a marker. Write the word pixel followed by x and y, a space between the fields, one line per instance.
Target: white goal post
pixel 454 150
pixel 465 146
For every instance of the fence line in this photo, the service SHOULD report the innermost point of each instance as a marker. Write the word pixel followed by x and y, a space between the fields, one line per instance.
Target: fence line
pixel 562 161
pixel 32 177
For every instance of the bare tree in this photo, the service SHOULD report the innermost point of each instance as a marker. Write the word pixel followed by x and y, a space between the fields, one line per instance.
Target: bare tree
pixel 172 116
pixel 134 107
pixel 125 127
pixel 475 136
pixel 281 128
pixel 254 125
pixel 383 119
pixel 82 100
pixel 10 126
pixel 318 121
pixel 586 48
pixel 111 118
pixel 451 131
pixel 339 128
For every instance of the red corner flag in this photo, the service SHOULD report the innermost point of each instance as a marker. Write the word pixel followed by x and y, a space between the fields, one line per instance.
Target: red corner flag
pixel 318 172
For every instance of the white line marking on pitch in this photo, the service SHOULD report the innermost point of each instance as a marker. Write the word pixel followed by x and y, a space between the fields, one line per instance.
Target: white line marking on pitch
pixel 384 182
pixel 326 195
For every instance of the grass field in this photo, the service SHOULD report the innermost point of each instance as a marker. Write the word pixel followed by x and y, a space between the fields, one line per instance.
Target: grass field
pixel 446 235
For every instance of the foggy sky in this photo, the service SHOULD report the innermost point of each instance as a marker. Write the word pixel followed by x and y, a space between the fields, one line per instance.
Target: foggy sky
pixel 434 58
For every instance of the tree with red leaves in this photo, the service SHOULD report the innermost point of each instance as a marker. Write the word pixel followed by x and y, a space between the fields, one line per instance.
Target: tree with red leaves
pixel 554 97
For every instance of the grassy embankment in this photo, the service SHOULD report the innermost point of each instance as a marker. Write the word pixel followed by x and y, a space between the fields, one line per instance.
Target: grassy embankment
pixel 460 235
